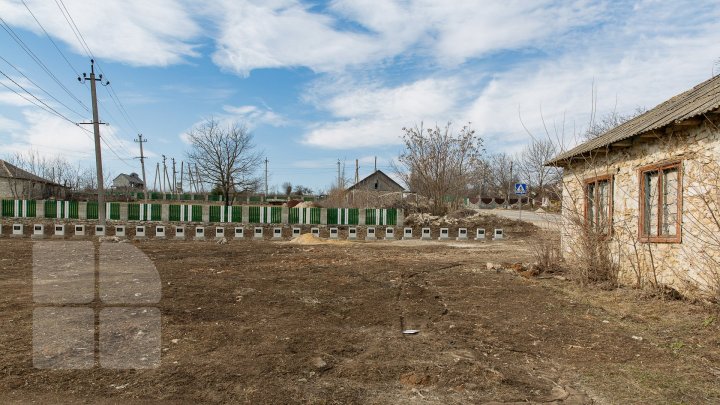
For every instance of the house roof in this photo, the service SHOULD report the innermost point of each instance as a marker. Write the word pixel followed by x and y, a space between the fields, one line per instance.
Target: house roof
pixel 375 173
pixel 132 178
pixel 699 100
pixel 8 170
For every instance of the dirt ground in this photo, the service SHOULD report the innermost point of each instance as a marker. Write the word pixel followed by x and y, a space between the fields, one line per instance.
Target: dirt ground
pixel 283 322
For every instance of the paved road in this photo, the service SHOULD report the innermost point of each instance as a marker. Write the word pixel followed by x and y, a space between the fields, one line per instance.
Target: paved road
pixel 542 219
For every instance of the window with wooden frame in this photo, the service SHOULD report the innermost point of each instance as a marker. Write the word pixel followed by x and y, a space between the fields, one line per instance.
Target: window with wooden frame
pixel 598 204
pixel 661 203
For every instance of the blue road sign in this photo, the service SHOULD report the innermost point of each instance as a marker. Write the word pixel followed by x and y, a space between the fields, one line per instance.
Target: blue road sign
pixel 520 188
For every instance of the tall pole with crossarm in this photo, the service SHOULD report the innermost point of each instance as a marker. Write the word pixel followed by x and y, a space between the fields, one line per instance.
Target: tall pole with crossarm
pixel 96 130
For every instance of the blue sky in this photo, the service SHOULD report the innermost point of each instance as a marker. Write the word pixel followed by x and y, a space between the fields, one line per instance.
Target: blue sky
pixel 322 81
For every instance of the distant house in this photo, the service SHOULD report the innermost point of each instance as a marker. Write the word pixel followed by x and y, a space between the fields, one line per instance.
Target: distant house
pixel 125 181
pixel 378 181
pixel 16 183
pixel 649 189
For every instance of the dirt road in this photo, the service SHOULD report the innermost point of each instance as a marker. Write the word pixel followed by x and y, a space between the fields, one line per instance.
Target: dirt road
pixel 263 322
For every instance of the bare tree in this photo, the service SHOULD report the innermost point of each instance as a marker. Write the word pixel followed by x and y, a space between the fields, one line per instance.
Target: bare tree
pixel 533 169
pixel 610 121
pixel 225 157
pixel 439 164
pixel 301 190
pixel 503 174
pixel 287 188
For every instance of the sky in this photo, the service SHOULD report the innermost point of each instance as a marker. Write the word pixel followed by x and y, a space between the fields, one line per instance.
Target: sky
pixel 322 81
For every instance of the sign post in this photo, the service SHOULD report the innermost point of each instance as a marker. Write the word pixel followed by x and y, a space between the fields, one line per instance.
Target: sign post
pixel 520 191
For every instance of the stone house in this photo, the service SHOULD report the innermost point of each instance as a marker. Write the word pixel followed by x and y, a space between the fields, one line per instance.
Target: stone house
pixel 649 191
pixel 16 183
pixel 376 189
pixel 378 181
pixel 126 181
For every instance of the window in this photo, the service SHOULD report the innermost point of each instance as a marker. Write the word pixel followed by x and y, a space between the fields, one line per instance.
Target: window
pixel 598 204
pixel 660 203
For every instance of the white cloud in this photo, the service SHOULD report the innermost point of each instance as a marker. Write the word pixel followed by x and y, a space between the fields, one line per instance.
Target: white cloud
pixel 283 33
pixel 371 115
pixel 138 32
pixel 249 116
pixel 253 116
pixel 627 66
pixel 41 132
pixel 631 62
pixel 288 33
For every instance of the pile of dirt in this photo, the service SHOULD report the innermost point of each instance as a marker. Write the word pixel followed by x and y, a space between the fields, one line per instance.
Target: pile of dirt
pixel 305 204
pixel 477 220
pixel 310 239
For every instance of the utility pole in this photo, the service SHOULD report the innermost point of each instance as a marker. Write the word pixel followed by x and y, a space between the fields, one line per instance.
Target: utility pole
pixel 507 188
pixel 165 175
pixel 174 187
pixel 339 178
pixel 96 131
pixel 141 141
pixel 198 181
pixel 190 180
pixel 266 177
pixel 375 163
pixel 157 174
pixel 182 165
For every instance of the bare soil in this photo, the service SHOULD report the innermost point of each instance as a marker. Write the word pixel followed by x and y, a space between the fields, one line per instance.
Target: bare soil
pixel 281 322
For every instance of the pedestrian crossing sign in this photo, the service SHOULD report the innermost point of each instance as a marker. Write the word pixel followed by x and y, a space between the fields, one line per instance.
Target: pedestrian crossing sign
pixel 520 188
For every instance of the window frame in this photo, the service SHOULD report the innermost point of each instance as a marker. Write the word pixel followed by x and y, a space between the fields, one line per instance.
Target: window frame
pixel 660 168
pixel 611 198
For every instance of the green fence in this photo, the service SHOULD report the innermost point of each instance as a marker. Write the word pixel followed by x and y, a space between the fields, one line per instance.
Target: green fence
pixel 391 218
pixel 117 211
pixel 197 213
pixel 92 210
pixel 50 208
pixel 133 212
pixel 214 213
pixel 8 208
pixel 175 212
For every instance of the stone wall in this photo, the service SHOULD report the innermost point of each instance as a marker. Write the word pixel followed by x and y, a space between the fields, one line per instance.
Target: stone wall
pixel 691 266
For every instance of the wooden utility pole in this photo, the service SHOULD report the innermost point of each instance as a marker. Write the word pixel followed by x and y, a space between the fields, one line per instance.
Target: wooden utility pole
pixel 165 174
pixel 157 174
pixel 182 165
pixel 96 131
pixel 266 177
pixel 174 186
pixel 339 178
pixel 141 141
pixel 199 181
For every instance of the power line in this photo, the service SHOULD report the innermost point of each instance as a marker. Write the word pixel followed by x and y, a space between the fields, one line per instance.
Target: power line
pixel 44 105
pixel 37 60
pixel 74 28
pixel 81 39
pixel 50 38
pixel 38 86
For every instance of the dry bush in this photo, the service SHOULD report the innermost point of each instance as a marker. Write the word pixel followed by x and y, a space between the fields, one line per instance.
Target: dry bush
pixel 546 253
pixel 462 213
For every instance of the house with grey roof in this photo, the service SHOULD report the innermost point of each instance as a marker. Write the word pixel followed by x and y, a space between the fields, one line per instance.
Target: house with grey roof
pixel 126 181
pixel 16 183
pixel 649 192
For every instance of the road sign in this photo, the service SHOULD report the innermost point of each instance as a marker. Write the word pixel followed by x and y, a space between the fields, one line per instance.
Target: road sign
pixel 520 188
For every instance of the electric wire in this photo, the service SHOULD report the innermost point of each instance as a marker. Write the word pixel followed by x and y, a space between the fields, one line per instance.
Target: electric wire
pixel 37 60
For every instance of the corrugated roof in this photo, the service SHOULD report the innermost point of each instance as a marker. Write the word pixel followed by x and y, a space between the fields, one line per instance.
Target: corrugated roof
pixel 699 100
pixel 376 172
pixel 10 171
